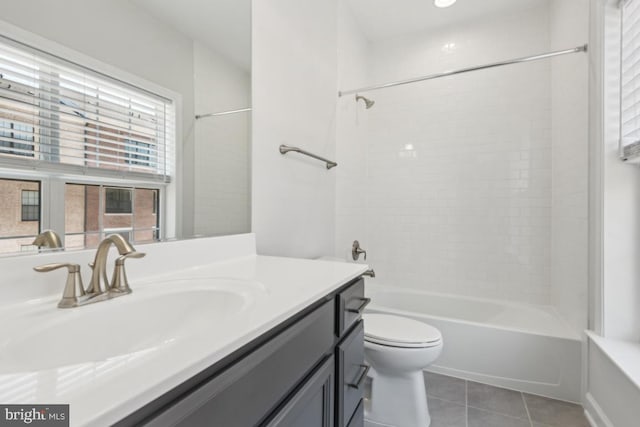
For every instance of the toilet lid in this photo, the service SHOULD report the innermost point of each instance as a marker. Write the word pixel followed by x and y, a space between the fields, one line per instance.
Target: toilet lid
pixel 399 331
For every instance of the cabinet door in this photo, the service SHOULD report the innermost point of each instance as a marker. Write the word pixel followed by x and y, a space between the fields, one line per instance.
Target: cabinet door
pixel 358 417
pixel 352 373
pixel 247 392
pixel 312 404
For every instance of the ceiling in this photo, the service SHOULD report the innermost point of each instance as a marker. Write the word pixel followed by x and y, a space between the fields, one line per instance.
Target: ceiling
pixel 223 25
pixel 381 19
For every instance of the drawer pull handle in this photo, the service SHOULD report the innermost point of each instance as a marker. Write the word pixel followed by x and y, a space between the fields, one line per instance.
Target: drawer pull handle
pixel 365 302
pixel 361 378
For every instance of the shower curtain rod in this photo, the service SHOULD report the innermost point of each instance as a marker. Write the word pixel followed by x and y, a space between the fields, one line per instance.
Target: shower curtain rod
pixel 582 48
pixel 222 113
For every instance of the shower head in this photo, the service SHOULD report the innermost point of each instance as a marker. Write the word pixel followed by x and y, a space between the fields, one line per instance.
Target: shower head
pixel 367 102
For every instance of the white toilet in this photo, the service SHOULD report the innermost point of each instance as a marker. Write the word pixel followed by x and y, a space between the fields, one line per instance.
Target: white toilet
pixel 397 349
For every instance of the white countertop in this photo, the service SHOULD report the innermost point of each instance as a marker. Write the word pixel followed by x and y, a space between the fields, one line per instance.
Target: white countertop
pixel 101 393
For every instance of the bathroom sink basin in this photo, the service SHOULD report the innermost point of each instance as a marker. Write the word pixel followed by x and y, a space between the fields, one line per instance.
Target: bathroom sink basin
pixel 153 317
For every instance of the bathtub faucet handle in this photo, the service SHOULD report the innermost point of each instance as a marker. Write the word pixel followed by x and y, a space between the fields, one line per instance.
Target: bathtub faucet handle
pixel 356 250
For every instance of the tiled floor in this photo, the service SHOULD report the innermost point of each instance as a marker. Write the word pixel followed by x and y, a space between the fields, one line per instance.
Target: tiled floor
pixel 458 403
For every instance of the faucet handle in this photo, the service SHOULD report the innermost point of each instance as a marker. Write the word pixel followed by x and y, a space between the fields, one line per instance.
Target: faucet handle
pixel 356 250
pixel 50 267
pixel 134 254
pixel 73 288
pixel 119 283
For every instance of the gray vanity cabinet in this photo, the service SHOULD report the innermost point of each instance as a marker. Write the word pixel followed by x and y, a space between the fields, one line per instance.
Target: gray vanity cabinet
pixel 292 376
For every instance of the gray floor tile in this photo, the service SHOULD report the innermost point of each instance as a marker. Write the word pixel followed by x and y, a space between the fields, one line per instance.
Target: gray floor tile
pixel 554 412
pixel 507 402
pixel 446 388
pixel 446 414
pixel 480 418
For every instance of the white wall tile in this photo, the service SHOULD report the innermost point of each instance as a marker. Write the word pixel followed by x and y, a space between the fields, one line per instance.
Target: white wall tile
pixel 569 171
pixel 469 208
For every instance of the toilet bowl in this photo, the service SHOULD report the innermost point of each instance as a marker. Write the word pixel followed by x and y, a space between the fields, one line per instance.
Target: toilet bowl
pixel 397 349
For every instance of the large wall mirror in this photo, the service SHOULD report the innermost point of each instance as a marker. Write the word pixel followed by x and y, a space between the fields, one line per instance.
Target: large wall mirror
pixel 192 57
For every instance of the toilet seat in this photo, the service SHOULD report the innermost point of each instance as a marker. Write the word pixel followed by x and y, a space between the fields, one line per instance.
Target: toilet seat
pixel 396 331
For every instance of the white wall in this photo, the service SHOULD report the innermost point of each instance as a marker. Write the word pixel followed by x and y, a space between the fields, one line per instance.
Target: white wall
pixel 569 162
pixel 611 397
pixel 222 150
pixel 294 80
pixel 459 169
pixel 351 150
pixel 118 33
pixel 621 205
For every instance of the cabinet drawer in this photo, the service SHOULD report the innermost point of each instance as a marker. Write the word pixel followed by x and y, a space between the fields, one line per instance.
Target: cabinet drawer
pixel 244 394
pixel 350 305
pixel 358 416
pixel 351 374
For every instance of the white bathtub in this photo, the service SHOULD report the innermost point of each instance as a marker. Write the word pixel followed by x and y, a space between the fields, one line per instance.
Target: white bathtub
pixel 516 346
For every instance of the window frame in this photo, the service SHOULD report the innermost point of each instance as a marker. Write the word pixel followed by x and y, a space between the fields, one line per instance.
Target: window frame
pixel 52 194
pixel 53 180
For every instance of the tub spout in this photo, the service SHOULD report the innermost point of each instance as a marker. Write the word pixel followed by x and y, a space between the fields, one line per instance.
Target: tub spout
pixel 370 273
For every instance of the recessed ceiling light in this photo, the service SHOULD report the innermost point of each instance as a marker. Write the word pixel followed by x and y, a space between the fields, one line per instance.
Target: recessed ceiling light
pixel 443 3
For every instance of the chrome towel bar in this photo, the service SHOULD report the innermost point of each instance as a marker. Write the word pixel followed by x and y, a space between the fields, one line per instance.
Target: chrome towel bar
pixel 284 149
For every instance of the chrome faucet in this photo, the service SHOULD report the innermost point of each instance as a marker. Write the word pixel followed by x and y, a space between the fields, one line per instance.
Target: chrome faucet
pixel 99 288
pixel 49 239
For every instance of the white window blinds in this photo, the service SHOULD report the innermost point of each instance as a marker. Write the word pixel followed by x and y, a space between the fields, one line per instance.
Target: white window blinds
pixel 55 114
pixel 630 80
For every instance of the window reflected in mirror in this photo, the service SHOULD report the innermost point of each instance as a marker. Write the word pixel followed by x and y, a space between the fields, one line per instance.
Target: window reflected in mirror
pixel 19 216
pixel 93 211
pixel 91 131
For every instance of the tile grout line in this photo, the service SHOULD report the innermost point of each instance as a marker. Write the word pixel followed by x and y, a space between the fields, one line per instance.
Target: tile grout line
pixel 466 403
pixel 502 414
pixel 453 402
pixel 526 407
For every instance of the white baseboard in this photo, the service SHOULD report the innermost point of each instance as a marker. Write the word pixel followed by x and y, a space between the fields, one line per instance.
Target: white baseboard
pixel 594 413
pixel 590 420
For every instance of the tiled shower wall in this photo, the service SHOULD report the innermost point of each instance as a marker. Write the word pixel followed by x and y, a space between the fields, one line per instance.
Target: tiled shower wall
pixel 569 171
pixel 455 192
